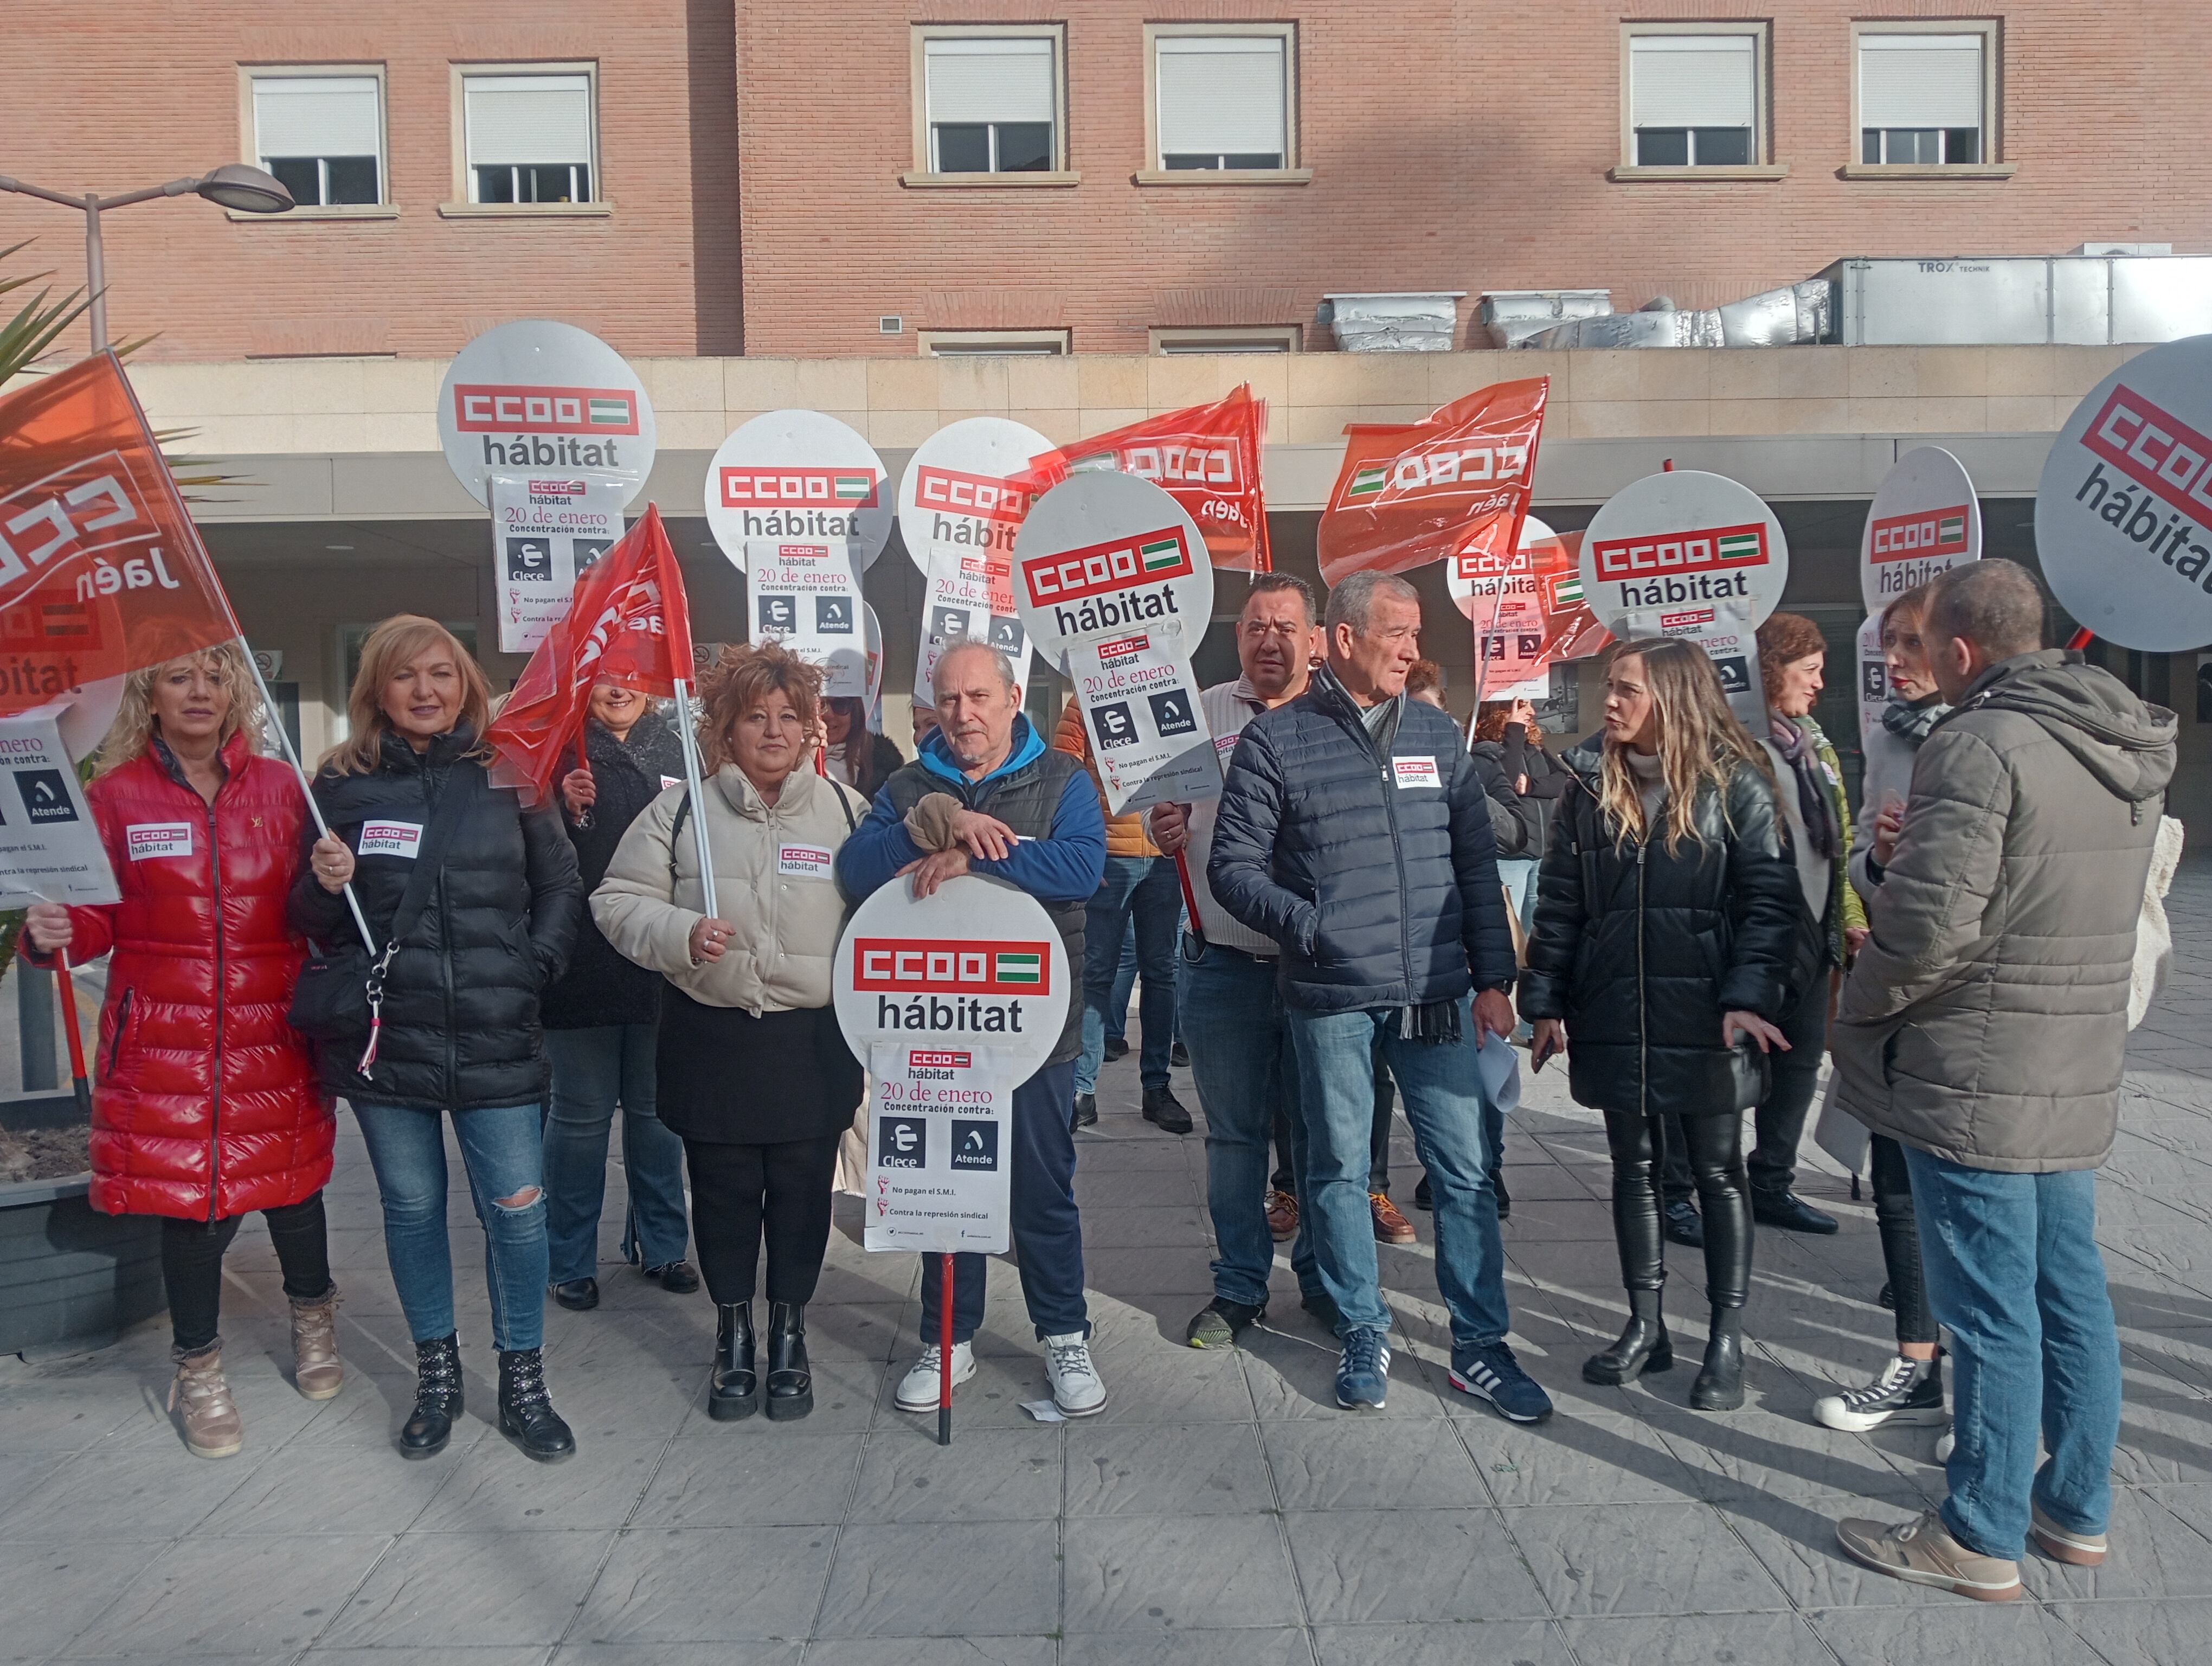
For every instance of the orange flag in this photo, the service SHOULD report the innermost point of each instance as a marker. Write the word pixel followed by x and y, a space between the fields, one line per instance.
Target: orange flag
pixel 101 569
pixel 1455 482
pixel 1206 458
pixel 630 622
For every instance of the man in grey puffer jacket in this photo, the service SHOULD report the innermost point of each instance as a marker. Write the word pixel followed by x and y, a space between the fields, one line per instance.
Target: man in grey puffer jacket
pixel 1983 1027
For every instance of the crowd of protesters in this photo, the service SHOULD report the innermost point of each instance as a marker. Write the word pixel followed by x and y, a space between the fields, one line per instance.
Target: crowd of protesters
pixel 1684 907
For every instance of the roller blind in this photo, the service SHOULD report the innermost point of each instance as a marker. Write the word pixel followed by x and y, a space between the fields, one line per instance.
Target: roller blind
pixel 520 120
pixel 989 81
pixel 1920 80
pixel 1691 80
pixel 315 116
pixel 1221 95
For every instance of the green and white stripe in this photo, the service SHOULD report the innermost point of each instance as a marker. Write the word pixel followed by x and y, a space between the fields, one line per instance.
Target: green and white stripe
pixel 1369 479
pixel 610 413
pixel 1737 545
pixel 1162 552
pixel 1950 528
pixel 1568 591
pixel 852 486
pixel 1020 969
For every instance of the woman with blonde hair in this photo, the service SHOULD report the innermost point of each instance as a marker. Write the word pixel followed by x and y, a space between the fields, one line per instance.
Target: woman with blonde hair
pixel 754 1073
pixel 1667 946
pixel 472 902
pixel 205 1102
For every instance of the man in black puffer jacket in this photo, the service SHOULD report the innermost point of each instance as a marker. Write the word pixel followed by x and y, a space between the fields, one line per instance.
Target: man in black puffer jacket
pixel 1355 831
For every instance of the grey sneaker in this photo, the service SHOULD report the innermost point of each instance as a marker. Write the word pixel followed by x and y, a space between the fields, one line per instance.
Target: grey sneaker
pixel 1922 1552
pixel 1221 1324
pixel 2063 1544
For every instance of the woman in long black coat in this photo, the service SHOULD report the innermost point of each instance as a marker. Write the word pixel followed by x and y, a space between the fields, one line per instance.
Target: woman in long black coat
pixel 1668 945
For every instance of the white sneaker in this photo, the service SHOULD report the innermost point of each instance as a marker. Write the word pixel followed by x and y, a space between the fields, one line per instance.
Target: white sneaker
pixel 1076 1388
pixel 1944 1444
pixel 919 1389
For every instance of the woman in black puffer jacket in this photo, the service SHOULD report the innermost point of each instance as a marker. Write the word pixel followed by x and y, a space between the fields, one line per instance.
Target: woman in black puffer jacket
pixel 1669 926
pixel 460 1032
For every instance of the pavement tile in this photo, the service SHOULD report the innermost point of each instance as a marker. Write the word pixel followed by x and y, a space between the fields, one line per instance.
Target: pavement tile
pixel 1293 1375
pixel 496 1488
pixel 1154 1573
pixel 1576 1460
pixel 1186 1469
pixel 111 1493
pixel 1279 1647
pixel 987 1475
pixel 1519 1642
pixel 345 1489
pixel 1695 1640
pixel 528 1654
pixel 751 1474
pixel 2146 1634
pixel 1355 1463
pixel 459 1590
pixel 1173 1385
pixel 53 1592
pixel 1410 1564
pixel 1755 1452
pixel 2158 1549
pixel 1795 1540
pixel 232 1596
pixel 706 1584
pixel 736 1652
pixel 898 1580
pixel 1625 1559
pixel 2018 1633
pixel 930 1651
pixel 1155 1226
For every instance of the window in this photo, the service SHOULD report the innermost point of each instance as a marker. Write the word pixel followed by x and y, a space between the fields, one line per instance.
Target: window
pixel 1921 98
pixel 990 104
pixel 528 137
pixel 1693 100
pixel 1201 338
pixel 973 343
pixel 323 135
pixel 1221 102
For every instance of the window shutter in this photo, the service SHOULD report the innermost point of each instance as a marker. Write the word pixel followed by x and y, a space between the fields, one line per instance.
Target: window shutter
pixel 1221 95
pixel 518 120
pixel 1690 80
pixel 1920 80
pixel 989 81
pixel 315 116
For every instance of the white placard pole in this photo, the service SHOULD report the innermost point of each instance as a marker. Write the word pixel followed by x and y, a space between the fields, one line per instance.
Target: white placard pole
pixel 687 731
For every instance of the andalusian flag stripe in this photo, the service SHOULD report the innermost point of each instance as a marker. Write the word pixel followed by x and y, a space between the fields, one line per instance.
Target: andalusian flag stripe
pixel 1367 480
pixel 1567 591
pixel 610 412
pixel 854 485
pixel 1020 969
pixel 1167 552
pixel 1739 543
pixel 1951 527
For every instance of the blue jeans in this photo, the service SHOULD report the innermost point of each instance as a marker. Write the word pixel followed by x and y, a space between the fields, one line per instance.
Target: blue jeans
pixel 1242 1064
pixel 593 1071
pixel 1125 985
pixel 2013 1273
pixel 1518 875
pixel 504 1152
pixel 1048 1228
pixel 1143 889
pixel 1445 1102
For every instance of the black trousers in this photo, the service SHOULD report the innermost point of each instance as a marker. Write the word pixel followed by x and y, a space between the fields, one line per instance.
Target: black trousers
pixel 1713 1147
pixel 191 1265
pixel 1780 1121
pixel 739 1192
pixel 1899 1226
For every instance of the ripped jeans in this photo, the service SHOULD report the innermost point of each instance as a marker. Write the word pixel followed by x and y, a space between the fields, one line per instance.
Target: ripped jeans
pixel 502 1149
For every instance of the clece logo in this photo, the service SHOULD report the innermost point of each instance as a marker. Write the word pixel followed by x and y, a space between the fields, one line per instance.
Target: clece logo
pixel 1683 552
pixel 898 965
pixel 1918 536
pixel 501 408
pixel 982 496
pixel 901 1142
pixel 1120 564
pixel 781 489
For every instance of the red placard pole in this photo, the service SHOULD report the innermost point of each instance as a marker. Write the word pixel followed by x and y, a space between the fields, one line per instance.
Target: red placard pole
pixel 1189 894
pixel 944 1355
pixel 65 986
pixel 2081 639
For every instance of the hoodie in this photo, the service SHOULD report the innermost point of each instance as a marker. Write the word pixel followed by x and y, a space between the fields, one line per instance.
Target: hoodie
pixel 1985 1019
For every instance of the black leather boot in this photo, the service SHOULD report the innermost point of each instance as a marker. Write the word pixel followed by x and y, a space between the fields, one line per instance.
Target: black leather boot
pixel 1719 1387
pixel 437 1398
pixel 1643 1346
pixel 790 1379
pixel 526 1416
pixel 733 1392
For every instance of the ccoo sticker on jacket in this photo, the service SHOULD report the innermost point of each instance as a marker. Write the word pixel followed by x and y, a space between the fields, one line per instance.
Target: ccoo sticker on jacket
pixel 802 861
pixel 390 839
pixel 1412 772
pixel 144 839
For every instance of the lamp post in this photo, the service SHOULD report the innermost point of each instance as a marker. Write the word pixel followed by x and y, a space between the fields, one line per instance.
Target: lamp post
pixel 234 185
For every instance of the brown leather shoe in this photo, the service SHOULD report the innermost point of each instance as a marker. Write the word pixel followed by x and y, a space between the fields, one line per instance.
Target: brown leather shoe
pixel 212 1428
pixel 1390 1226
pixel 316 1368
pixel 1282 1216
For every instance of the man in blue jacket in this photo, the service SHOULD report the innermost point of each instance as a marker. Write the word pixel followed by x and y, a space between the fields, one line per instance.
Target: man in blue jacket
pixel 987 796
pixel 1355 832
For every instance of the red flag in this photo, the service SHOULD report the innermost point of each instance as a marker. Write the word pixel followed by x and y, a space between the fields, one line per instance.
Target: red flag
pixel 1206 458
pixel 628 623
pixel 101 569
pixel 1458 480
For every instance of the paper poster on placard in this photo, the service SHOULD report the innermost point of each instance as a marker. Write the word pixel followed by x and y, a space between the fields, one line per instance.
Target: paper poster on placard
pixel 969 598
pixel 50 847
pixel 804 596
pixel 547 529
pixel 940 1149
pixel 1874 679
pixel 1730 640
pixel 960 502
pixel 1148 735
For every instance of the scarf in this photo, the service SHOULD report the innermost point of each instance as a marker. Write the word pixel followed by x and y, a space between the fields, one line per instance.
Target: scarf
pixel 1911 722
pixel 1813 804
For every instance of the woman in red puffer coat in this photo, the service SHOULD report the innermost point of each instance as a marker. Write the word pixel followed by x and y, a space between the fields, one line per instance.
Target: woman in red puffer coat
pixel 204 1101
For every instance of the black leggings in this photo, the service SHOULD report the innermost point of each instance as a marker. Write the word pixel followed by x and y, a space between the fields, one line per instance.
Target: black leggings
pixel 1714 1146
pixel 191 1265
pixel 1899 1226
pixel 738 1190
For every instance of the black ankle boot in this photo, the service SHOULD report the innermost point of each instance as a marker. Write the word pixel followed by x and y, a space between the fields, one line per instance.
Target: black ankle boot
pixel 437 1398
pixel 1643 1346
pixel 526 1416
pixel 790 1379
pixel 732 1392
pixel 1719 1387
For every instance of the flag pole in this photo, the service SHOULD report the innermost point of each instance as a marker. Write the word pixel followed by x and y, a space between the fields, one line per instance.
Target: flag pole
pixel 687 732
pixel 284 741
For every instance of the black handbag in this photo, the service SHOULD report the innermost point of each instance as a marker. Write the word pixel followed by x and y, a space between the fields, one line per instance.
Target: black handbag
pixel 338 1000
pixel 1750 1074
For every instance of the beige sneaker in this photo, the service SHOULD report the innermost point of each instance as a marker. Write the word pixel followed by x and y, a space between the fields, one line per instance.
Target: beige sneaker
pixel 212 1428
pixel 2063 1544
pixel 1924 1552
pixel 316 1367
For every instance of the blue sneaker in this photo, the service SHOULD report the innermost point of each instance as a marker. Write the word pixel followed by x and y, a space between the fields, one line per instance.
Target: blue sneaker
pixel 1491 1373
pixel 1365 1371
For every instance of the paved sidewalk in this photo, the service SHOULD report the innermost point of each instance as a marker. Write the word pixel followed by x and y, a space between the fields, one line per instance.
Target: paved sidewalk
pixel 1221 1510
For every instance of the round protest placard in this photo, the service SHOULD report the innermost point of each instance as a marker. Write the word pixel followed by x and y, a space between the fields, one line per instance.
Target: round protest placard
pixel 1469 577
pixel 1924 520
pixel 1679 543
pixel 1103 552
pixel 2123 511
pixel 960 505
pixel 798 476
pixel 540 396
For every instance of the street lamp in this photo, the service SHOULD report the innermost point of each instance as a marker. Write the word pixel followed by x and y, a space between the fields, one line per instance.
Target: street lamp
pixel 234 185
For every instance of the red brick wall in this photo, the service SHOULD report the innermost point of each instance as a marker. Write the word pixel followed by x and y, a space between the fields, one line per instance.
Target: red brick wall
pixel 1454 146
pixel 658 276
